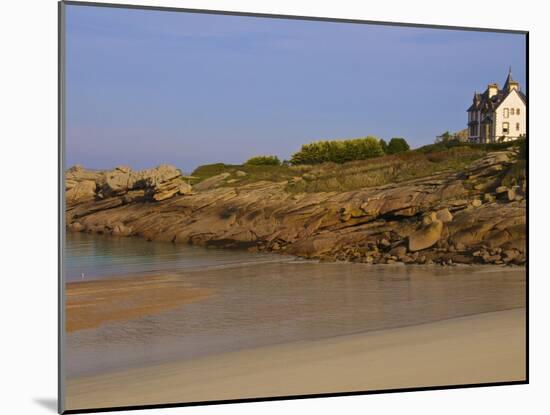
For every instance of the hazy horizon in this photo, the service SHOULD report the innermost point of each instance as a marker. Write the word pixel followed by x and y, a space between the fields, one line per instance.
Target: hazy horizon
pixel 152 87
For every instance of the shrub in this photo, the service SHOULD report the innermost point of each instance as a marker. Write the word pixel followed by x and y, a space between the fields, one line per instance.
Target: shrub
pixel 397 145
pixel 338 151
pixel 263 161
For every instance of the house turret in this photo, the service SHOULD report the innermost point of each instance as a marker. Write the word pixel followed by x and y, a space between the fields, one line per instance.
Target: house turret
pixel 510 84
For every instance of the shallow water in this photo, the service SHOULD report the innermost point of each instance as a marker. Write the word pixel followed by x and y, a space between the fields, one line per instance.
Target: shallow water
pixel 93 256
pixel 267 299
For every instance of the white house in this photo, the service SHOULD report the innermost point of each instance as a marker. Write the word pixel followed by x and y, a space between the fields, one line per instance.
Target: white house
pixel 498 114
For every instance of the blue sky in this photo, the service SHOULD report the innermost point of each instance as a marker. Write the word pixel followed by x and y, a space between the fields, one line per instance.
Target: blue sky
pixel 151 87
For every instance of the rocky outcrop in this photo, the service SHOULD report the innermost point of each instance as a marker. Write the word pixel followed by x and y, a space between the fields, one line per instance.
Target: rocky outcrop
pixel 213 182
pixel 160 183
pixel 446 218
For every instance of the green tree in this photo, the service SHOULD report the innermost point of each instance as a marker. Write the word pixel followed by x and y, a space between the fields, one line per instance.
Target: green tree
pixel 397 145
pixel 263 161
pixel 338 151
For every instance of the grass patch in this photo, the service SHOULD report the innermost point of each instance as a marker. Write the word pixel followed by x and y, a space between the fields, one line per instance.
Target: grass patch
pixel 209 170
pixel 397 168
pixel 353 175
pixel 252 173
pixel 431 148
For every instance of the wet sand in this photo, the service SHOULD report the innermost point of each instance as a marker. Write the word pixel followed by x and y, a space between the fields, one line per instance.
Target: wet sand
pixel 488 347
pixel 92 303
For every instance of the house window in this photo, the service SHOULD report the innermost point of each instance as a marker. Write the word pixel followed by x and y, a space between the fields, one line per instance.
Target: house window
pixel 517 111
pixel 505 127
pixel 517 126
pixel 511 111
pixel 506 113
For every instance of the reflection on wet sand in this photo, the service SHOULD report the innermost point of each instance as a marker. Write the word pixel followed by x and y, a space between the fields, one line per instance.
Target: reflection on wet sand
pixel 91 303
pixel 263 304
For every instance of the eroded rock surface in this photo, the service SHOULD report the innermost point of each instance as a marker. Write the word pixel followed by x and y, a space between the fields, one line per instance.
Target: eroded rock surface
pixel 159 183
pixel 446 218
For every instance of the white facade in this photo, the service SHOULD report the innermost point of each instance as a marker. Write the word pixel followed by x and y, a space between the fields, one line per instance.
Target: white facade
pixel 510 118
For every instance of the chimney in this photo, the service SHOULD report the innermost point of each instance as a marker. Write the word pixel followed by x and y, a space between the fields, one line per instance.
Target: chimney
pixel 492 90
pixel 513 85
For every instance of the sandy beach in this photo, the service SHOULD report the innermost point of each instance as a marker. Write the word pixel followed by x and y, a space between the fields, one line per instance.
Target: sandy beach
pixel 488 347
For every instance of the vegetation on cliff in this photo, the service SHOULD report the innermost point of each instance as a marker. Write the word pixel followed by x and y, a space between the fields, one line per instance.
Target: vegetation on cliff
pixel 397 145
pixel 353 175
pixel 263 161
pixel 338 151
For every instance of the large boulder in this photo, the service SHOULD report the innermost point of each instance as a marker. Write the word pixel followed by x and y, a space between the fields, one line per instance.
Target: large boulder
pixel 77 174
pixel 167 190
pixel 154 177
pixel 117 181
pixel 79 192
pixel 426 237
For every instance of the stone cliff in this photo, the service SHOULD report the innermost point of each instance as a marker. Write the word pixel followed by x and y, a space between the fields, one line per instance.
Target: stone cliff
pixel 449 217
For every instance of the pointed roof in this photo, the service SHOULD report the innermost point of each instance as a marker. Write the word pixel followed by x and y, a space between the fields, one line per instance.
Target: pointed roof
pixel 485 103
pixel 509 80
pixel 476 102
